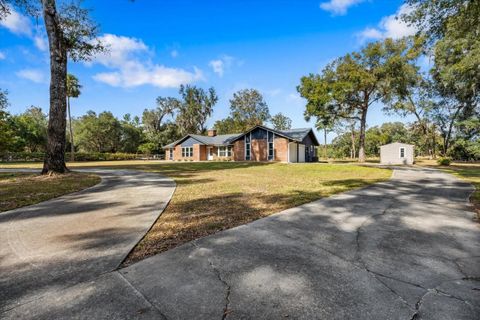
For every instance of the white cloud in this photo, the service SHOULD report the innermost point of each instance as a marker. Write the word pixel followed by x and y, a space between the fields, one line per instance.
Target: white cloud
pixel 40 42
pixel 339 7
pixel 34 75
pixel 2 56
pixel 295 98
pixel 22 26
pixel 219 66
pixel 389 27
pixel 131 67
pixel 17 23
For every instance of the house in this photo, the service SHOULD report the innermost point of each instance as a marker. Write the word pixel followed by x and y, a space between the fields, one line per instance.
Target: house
pixel 257 144
pixel 397 153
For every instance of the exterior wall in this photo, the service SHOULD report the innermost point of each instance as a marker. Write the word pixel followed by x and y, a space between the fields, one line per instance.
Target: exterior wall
pixel 281 149
pixel 292 150
pixel 177 154
pixel 390 154
pixel 310 153
pixel 239 150
pixel 259 150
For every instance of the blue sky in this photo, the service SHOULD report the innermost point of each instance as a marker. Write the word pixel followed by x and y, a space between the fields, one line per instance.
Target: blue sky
pixel 230 45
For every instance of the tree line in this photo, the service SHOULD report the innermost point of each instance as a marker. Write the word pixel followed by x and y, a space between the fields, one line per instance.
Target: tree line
pixel 171 119
pixel 443 100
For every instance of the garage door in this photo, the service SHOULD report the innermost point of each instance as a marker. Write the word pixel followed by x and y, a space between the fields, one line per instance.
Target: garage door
pixel 301 153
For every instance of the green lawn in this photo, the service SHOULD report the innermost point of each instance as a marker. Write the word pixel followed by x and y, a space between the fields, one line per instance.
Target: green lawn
pixel 214 196
pixel 23 189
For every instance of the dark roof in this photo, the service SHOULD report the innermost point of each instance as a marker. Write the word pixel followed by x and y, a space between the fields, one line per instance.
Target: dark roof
pixel 219 140
pixel 297 134
pixel 227 139
pixel 293 134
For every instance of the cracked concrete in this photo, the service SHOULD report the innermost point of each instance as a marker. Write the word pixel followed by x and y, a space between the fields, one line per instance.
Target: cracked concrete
pixel 402 249
pixel 57 244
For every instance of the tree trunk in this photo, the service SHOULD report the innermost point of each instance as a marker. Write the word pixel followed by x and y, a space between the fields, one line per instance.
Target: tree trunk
pixel 72 147
pixel 55 151
pixel 353 150
pixel 363 124
pixel 325 139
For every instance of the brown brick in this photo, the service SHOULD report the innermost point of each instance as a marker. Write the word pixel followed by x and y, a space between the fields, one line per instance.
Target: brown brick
pixel 281 149
pixel 239 150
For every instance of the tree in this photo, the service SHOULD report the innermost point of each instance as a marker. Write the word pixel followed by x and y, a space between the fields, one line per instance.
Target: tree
pixel 281 122
pixel 7 130
pixel 159 132
pixel 72 34
pixel 31 129
pixel 73 91
pixel 194 109
pixel 248 109
pixel 225 126
pixel 451 28
pixel 100 133
pixel 348 86
pixel 131 134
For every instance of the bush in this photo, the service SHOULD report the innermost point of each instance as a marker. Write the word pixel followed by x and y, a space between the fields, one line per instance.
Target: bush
pixel 79 156
pixel 444 161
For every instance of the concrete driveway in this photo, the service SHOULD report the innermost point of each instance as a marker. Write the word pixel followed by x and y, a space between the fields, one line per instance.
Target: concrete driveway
pixel 77 237
pixel 403 249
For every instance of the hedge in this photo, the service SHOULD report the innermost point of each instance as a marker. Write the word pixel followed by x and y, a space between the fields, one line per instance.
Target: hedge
pixel 79 156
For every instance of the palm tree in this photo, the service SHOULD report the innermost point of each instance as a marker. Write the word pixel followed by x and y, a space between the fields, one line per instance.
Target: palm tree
pixel 73 91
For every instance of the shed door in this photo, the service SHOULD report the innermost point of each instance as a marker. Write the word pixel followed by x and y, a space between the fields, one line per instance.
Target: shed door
pixel 301 153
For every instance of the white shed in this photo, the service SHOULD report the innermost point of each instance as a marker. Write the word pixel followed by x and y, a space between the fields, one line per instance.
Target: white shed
pixel 397 153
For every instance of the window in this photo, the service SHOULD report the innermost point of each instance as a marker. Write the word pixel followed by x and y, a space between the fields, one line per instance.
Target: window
pixel 402 152
pixel 170 157
pixel 225 151
pixel 187 152
pixel 271 150
pixel 247 146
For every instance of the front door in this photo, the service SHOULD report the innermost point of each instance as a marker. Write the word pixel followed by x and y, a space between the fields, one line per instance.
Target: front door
pixel 209 153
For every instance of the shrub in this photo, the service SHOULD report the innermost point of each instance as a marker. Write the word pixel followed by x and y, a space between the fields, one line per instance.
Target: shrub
pixel 79 156
pixel 444 161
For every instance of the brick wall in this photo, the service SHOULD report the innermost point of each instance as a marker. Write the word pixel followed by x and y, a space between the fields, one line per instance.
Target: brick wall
pixel 239 150
pixel 281 149
pixel 259 150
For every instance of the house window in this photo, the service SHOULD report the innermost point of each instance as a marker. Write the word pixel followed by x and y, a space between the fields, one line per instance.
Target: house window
pixel 271 150
pixel 402 152
pixel 187 152
pixel 170 156
pixel 247 146
pixel 225 151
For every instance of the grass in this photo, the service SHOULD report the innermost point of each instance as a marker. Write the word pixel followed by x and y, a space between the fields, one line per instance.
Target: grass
pixel 467 171
pixel 23 189
pixel 214 196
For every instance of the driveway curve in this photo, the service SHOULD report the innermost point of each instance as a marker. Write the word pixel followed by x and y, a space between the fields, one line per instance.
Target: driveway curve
pixel 77 237
pixel 405 249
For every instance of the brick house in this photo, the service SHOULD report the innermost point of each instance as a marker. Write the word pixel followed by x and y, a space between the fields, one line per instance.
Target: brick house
pixel 257 144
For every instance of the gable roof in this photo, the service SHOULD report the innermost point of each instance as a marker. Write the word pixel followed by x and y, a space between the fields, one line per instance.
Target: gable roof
pixel 293 134
pixel 219 140
pixel 397 143
pixel 227 139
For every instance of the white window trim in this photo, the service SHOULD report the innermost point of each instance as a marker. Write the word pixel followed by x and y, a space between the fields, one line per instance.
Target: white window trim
pixel 250 144
pixel 225 150
pixel 273 146
pixel 400 152
pixel 187 152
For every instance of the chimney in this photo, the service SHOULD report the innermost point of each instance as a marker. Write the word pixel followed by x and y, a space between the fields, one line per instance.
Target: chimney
pixel 212 132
